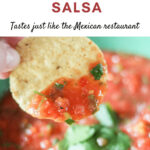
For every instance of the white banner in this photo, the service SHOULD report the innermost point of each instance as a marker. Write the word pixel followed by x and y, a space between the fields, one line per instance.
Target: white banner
pixel 74 18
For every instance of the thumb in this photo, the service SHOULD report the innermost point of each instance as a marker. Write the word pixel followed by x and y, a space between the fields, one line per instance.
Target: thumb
pixel 9 58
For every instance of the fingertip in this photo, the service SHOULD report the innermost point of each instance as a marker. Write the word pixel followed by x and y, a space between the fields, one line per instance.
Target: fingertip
pixel 10 57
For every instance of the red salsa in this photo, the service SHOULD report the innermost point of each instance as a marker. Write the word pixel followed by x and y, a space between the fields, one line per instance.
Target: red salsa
pixel 20 131
pixel 128 93
pixel 71 98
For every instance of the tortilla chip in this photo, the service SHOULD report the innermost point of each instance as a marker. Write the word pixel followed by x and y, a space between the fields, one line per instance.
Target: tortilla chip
pixel 45 59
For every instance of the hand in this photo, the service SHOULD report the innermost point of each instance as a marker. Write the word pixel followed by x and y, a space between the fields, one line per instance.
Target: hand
pixel 9 58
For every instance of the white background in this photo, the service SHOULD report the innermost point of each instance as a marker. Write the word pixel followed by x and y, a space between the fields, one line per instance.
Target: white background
pixel 38 11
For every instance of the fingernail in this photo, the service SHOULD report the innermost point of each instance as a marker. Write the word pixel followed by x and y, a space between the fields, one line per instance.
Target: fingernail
pixel 9 58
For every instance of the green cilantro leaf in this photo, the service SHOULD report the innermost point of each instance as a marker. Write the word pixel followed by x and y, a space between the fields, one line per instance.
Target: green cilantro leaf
pixel 97 71
pixel 106 132
pixel 59 86
pixel 40 104
pixel 120 142
pixel 117 140
pixel 84 137
pixel 76 134
pixel 106 116
pixel 69 121
pixel 63 144
pixel 89 144
pixel 39 93
pixel 42 101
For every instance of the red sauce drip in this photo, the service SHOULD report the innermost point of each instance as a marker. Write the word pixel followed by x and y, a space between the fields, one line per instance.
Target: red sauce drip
pixel 79 98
